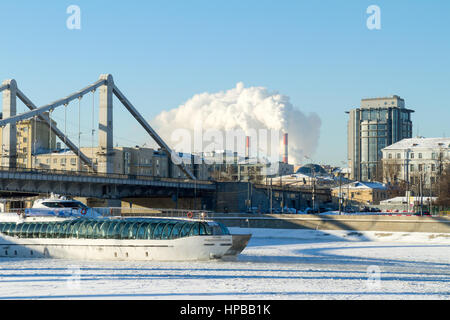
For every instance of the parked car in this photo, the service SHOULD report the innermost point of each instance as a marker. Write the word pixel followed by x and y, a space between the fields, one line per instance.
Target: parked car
pixel 311 211
pixel 253 210
pixel 425 213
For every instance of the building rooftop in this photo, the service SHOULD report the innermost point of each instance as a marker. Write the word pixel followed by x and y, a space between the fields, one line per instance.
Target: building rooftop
pixel 420 143
pixel 364 185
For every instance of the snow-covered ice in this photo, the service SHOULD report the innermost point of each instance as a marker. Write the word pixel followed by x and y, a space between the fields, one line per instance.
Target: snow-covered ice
pixel 277 264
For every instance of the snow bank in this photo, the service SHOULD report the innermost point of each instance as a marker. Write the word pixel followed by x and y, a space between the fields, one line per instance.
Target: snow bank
pixel 333 235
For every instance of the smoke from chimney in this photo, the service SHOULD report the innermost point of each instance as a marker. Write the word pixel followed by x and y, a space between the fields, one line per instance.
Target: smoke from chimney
pixel 251 108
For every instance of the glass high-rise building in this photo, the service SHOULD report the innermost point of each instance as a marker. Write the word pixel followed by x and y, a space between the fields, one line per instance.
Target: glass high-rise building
pixel 376 124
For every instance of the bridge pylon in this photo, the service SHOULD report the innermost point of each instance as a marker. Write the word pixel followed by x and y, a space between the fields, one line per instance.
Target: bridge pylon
pixel 9 139
pixel 105 126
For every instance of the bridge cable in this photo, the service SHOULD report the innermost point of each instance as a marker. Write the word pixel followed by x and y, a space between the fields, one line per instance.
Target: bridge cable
pixel 93 128
pixel 65 132
pixel 79 126
pixel 33 165
pixel 50 136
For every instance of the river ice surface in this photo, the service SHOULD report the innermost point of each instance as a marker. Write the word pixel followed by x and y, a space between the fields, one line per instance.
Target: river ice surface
pixel 277 264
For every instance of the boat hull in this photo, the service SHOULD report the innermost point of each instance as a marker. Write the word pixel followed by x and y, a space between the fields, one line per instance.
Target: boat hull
pixel 183 249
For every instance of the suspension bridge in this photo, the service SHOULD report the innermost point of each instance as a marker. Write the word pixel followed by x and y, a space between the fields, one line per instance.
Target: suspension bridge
pixel 101 181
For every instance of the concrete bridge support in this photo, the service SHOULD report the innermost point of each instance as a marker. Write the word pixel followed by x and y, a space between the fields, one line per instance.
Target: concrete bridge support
pixel 9 143
pixel 105 133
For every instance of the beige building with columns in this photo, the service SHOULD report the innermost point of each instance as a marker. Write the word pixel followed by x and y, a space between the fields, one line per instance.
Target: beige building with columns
pixel 33 136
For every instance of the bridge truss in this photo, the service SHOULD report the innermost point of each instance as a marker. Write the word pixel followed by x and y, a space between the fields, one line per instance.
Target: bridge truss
pixel 107 89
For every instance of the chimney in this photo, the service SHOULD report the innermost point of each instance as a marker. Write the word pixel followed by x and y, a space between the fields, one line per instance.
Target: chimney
pixel 286 147
pixel 247 147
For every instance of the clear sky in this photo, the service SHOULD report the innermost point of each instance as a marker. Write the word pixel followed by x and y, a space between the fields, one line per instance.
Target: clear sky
pixel 319 53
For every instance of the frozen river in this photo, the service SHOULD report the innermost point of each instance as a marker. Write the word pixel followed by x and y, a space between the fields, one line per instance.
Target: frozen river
pixel 277 264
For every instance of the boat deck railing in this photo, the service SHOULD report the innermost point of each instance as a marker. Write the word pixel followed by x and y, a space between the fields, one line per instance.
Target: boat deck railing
pixel 117 212
pixel 153 212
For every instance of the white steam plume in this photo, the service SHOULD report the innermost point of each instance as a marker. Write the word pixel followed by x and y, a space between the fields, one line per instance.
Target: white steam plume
pixel 248 109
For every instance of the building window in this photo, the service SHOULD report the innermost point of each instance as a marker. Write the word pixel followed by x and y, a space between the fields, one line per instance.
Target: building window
pixel 420 156
pixel 412 168
pixel 420 167
pixel 433 167
pixel 390 156
pixel 73 161
pixel 398 155
pixel 412 155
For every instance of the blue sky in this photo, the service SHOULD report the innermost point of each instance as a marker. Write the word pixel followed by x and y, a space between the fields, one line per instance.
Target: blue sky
pixel 161 53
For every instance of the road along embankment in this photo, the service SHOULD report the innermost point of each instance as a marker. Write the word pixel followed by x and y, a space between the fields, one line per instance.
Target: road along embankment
pixel 337 222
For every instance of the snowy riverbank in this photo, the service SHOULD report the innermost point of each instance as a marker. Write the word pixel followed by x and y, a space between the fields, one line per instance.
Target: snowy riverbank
pixel 277 264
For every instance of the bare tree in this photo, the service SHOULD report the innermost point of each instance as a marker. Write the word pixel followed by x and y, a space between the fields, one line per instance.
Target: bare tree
pixel 444 187
pixel 391 170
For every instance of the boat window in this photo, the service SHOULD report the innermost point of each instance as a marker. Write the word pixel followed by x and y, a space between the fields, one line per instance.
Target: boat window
pixel 167 230
pixel 36 230
pixel 202 230
pixel 7 228
pixel 224 228
pixel 74 229
pixel 14 229
pixel 96 229
pixel 217 230
pixel 4 227
pixel 28 232
pixel 115 230
pixel 124 234
pixel 64 232
pixel 134 230
pixel 194 230
pixel 142 231
pixel 104 229
pixel 158 231
pixel 208 229
pixel 32 230
pixel 57 229
pixel 89 229
pixel 20 230
pixel 151 230
pixel 82 230
pixel 185 229
pixel 73 204
pixel 47 230
pixel 43 230
pixel 176 230
pixel 51 204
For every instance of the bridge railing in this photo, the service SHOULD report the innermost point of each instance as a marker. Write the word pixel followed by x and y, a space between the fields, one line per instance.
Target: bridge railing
pixel 150 212
pixel 101 175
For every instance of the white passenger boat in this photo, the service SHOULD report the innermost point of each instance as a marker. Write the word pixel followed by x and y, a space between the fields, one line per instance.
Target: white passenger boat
pixel 79 233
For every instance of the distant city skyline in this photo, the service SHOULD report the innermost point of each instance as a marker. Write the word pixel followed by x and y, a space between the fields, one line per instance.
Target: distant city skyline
pixel 321 55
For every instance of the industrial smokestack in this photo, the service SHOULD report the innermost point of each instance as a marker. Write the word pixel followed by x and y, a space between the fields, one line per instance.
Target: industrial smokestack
pixel 286 148
pixel 247 147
